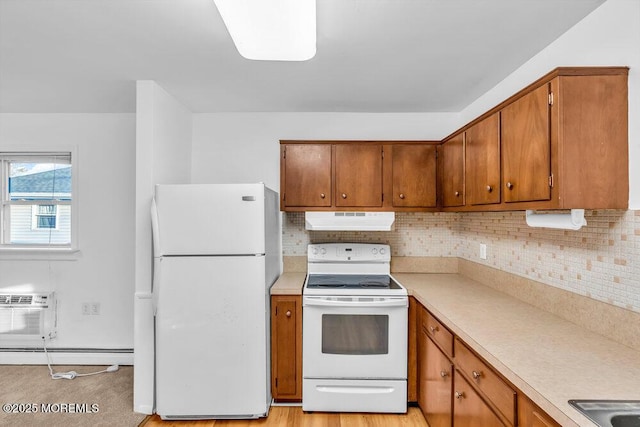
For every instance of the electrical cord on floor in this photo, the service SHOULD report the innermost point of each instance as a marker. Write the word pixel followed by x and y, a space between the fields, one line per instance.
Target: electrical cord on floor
pixel 71 374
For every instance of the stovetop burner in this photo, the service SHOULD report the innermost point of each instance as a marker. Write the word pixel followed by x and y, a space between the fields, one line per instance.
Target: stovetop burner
pixel 350 270
pixel 351 281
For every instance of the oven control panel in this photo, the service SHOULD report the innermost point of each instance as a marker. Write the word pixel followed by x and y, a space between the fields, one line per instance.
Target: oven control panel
pixel 348 252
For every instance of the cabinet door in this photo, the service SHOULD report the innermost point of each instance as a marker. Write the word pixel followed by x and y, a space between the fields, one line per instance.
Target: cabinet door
pixel 451 163
pixel 526 147
pixel 306 175
pixel 482 161
pixel 414 175
pixel 530 415
pixel 469 410
pixel 286 347
pixel 358 175
pixel 435 385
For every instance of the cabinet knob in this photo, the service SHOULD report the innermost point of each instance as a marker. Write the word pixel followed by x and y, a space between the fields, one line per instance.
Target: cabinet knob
pixel 344 196
pixel 401 196
pixel 457 193
pixel 433 329
pixel 288 313
pixel 509 185
pixel 489 188
pixel 322 195
pixel 476 375
pixel 444 374
pixel 459 394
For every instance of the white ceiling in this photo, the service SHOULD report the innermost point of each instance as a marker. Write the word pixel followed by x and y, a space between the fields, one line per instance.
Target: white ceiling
pixel 372 55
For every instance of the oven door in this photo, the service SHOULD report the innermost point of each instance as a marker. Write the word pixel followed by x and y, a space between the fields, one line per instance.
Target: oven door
pixel 354 337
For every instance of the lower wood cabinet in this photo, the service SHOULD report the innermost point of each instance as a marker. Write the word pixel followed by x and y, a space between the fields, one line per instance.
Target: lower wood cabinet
pixel 457 388
pixel 435 383
pixel 486 381
pixel 469 410
pixel 286 347
pixel 530 415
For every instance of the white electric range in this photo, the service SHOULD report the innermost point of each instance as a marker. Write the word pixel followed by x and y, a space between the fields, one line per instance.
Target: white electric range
pixel 355 321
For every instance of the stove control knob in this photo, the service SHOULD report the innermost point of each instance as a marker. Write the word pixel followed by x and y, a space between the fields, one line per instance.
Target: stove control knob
pixel 382 251
pixel 323 251
pixel 315 251
pixel 374 251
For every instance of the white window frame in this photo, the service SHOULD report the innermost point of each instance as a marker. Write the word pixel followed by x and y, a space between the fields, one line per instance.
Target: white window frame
pixel 37 154
pixel 35 214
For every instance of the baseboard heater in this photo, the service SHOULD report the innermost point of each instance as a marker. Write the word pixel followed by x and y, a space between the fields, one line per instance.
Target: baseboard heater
pixel 65 350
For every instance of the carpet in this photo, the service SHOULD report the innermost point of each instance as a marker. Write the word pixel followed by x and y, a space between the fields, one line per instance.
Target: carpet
pixel 29 397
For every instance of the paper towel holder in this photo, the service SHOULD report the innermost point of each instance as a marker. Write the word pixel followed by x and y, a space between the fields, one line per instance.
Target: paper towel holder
pixel 573 220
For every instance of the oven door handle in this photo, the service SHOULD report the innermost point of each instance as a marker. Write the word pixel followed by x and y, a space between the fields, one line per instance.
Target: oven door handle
pixel 350 302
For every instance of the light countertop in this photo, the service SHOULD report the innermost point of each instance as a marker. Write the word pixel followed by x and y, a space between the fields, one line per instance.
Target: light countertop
pixel 289 284
pixel 548 358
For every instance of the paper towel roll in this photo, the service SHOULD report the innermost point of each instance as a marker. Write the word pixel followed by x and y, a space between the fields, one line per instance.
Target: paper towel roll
pixel 566 221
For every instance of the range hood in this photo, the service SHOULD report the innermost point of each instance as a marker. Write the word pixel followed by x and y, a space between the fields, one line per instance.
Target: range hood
pixel 349 221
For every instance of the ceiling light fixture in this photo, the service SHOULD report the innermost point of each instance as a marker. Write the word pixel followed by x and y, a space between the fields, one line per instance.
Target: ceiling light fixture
pixel 271 30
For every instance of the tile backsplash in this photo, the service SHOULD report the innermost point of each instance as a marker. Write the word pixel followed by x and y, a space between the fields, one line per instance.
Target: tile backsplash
pixel 601 260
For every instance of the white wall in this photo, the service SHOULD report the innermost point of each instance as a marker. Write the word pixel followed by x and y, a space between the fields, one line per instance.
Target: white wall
pixel 103 270
pixel 610 35
pixel 163 156
pixel 244 147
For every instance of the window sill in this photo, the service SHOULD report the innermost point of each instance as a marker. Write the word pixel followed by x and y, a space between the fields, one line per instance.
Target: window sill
pixel 39 254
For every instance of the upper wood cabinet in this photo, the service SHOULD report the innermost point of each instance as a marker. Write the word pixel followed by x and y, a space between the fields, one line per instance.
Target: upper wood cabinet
pixel 526 147
pixel 482 163
pixel 589 140
pixel 559 143
pixel 451 165
pixel 414 175
pixel 358 175
pixel 305 175
pixel 564 142
pixel 358 179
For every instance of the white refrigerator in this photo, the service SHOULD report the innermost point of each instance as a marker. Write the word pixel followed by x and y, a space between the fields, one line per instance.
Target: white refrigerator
pixel 216 255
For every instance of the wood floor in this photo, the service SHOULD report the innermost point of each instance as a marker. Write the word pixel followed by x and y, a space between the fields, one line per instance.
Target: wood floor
pixel 292 416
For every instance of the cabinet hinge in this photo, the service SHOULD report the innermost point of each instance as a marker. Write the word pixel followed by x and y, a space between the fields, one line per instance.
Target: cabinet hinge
pixel 550 98
pixel 382 152
pixel 276 382
pixel 276 314
pixel 551 180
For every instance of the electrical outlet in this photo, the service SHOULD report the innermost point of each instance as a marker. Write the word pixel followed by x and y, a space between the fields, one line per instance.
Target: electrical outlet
pixel 86 310
pixel 95 308
pixel 483 251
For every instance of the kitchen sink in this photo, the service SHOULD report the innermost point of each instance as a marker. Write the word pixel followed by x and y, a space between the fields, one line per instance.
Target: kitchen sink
pixel 625 420
pixel 610 413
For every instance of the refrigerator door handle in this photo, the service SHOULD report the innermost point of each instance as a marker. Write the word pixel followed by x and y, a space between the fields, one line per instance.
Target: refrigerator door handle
pixel 155 232
pixel 147 295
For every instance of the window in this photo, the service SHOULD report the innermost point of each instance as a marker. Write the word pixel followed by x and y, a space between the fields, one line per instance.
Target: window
pixel 36 200
pixel 44 216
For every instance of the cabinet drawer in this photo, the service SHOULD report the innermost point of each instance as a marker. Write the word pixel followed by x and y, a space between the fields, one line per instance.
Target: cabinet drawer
pixel 487 381
pixel 437 332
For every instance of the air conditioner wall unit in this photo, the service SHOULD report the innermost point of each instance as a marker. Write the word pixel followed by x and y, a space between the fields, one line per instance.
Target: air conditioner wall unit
pixel 27 317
